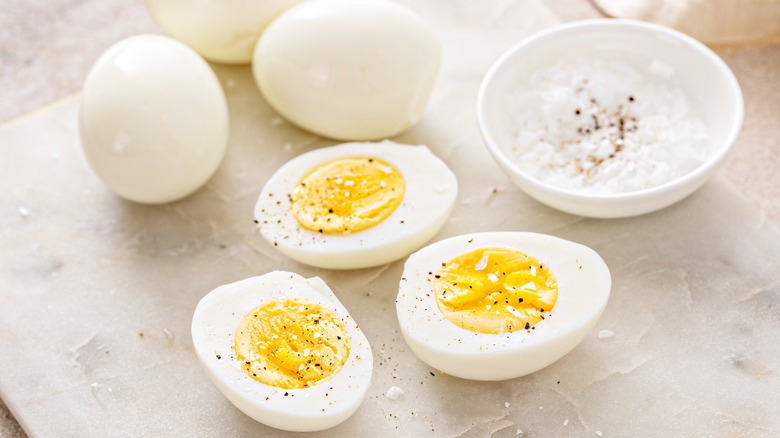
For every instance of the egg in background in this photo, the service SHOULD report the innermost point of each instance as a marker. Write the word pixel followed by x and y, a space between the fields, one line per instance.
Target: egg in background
pixel 429 193
pixel 224 31
pixel 348 69
pixel 153 119
pixel 284 402
pixel 498 349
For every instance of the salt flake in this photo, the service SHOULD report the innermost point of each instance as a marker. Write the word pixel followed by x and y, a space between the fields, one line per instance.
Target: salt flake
pixel 394 392
pixel 482 263
pixel 529 286
pixel 603 334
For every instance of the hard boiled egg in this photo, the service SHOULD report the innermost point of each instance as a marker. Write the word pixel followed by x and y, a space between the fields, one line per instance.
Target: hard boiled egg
pixel 348 69
pixel 153 119
pixel 499 305
pixel 283 350
pixel 223 31
pixel 356 205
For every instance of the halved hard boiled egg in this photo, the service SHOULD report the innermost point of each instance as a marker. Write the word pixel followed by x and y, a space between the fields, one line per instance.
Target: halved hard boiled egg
pixel 283 350
pixel 499 305
pixel 356 205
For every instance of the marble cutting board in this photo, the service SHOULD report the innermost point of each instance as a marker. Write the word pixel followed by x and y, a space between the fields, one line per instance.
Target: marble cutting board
pixel 96 293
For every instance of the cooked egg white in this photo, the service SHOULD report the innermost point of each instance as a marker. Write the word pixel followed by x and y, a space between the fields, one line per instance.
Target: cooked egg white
pixel 499 305
pixel 283 350
pixel 153 119
pixel 356 205
pixel 348 69
pixel 221 31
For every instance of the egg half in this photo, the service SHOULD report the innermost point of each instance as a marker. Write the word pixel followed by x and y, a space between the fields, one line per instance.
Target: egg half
pixel 356 205
pixel 283 350
pixel 500 305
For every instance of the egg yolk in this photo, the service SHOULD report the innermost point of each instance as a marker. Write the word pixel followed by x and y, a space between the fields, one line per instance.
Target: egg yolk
pixel 291 343
pixel 495 290
pixel 347 195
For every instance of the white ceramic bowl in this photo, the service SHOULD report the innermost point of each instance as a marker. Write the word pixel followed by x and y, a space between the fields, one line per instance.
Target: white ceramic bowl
pixel 709 85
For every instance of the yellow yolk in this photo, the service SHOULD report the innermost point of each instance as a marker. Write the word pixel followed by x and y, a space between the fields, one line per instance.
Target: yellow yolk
pixel 291 343
pixel 347 195
pixel 495 290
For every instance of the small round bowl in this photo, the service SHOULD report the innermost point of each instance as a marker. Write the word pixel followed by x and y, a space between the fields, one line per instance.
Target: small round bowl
pixel 709 85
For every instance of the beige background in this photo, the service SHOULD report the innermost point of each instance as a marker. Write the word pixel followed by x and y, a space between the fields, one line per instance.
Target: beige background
pixel 47 47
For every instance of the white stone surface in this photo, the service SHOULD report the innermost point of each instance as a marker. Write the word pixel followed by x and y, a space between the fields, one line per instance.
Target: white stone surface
pixel 96 293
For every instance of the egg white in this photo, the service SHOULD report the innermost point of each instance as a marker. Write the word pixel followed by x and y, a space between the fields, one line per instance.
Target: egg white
pixel 224 32
pixel 348 69
pixel 584 284
pixel 153 119
pixel 319 407
pixel 431 191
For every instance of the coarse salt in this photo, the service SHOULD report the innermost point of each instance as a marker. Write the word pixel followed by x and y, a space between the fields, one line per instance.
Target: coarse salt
pixel 394 392
pixel 602 126
pixel 482 263
pixel 529 286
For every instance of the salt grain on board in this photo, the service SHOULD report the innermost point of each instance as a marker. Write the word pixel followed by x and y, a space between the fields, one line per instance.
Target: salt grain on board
pixel 394 392
pixel 603 334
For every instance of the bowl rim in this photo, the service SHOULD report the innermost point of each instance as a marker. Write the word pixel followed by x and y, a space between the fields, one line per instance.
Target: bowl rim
pixel 701 171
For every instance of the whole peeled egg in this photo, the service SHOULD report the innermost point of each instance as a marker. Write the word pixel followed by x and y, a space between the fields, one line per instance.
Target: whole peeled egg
pixel 500 305
pixel 153 119
pixel 283 350
pixel 224 31
pixel 348 69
